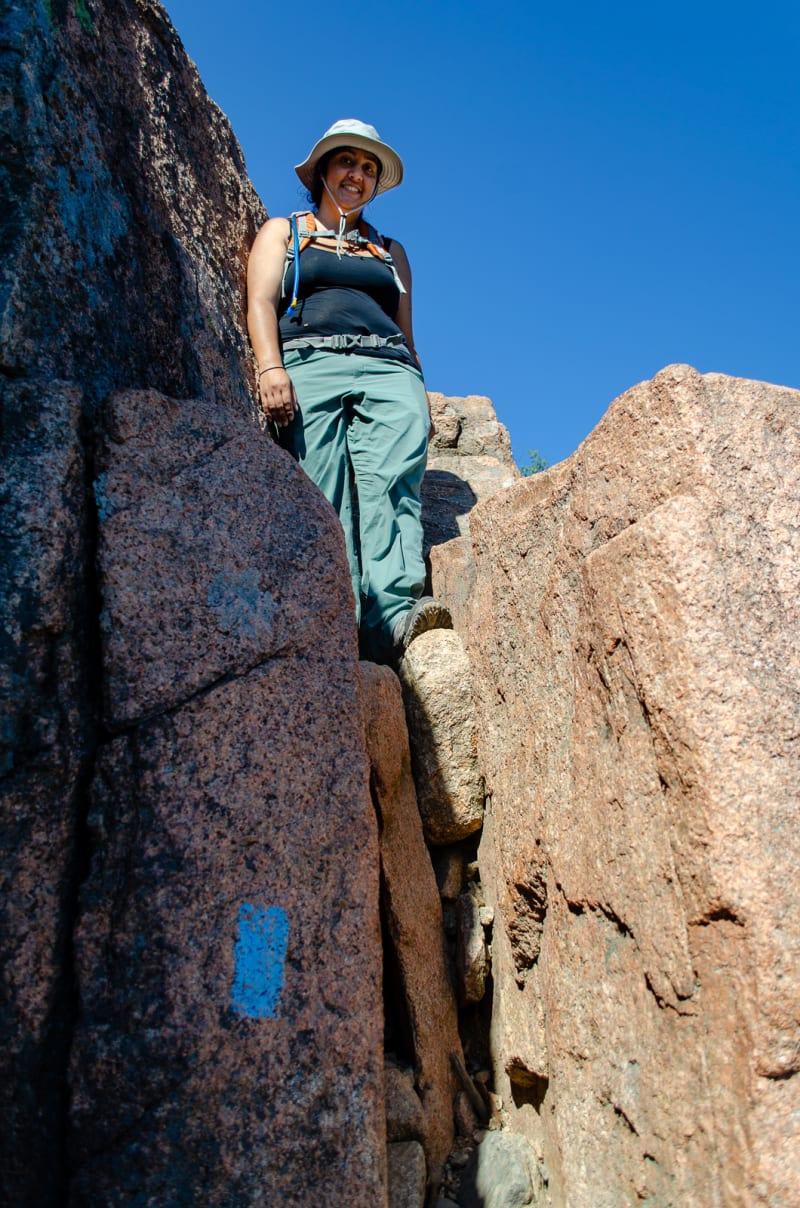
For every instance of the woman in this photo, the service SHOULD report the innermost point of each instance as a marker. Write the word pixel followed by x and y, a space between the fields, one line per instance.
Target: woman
pixel 329 317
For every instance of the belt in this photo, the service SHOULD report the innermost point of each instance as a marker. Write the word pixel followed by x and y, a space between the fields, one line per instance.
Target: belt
pixel 343 343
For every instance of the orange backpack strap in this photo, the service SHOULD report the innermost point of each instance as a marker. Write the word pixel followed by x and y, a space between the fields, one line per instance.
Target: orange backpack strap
pixel 374 241
pixel 307 224
pixel 377 247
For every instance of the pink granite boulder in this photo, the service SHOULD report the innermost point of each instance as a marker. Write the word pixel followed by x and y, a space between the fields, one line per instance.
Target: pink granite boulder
pixel 413 913
pixel 229 1037
pixel 634 642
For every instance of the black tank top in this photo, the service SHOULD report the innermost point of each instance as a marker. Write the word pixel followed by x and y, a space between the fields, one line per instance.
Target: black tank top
pixel 343 295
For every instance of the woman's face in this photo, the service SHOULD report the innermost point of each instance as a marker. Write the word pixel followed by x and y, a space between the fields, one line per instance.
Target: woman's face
pixel 352 177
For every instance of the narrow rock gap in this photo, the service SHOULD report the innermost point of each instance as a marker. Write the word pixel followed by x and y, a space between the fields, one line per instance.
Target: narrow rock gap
pixel 398 1042
pixel 90 646
pixel 462 904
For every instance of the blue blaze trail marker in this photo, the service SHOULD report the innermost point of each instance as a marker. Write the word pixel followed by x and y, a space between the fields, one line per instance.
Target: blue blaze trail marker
pixel 260 957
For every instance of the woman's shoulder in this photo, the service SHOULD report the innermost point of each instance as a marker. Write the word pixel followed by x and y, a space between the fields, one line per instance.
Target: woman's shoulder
pixel 392 244
pixel 269 246
pixel 272 235
pixel 276 226
pixel 395 247
pixel 386 240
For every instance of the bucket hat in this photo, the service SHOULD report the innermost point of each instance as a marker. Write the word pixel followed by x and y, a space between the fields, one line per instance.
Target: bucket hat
pixel 350 132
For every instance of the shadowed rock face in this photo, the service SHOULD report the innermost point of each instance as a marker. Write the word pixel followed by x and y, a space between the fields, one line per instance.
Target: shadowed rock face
pixel 127 215
pixel 182 747
pixel 228 954
pixel 46 756
pixel 634 641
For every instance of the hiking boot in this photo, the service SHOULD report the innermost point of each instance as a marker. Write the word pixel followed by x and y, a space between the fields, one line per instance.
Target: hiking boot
pixel 426 614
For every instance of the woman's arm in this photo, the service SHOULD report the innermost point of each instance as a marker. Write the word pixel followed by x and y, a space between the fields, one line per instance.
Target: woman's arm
pixel 403 316
pixel 264 275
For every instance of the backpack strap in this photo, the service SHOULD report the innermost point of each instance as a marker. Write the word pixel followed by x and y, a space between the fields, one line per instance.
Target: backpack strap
pixel 374 241
pixel 303 227
pixel 307 225
pixel 378 248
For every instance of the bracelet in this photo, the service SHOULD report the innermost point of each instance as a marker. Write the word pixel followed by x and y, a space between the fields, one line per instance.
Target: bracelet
pixel 262 371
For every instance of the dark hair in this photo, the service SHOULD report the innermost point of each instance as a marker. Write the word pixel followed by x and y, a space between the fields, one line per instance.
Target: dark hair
pixel 321 167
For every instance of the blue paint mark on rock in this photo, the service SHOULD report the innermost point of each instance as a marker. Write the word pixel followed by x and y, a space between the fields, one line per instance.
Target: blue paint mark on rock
pixel 260 957
pixel 239 604
pixel 105 509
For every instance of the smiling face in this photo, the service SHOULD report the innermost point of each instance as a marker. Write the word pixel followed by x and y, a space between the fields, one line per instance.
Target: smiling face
pixel 352 177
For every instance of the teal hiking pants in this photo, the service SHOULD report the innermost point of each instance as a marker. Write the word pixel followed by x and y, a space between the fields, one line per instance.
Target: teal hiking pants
pixel 363 423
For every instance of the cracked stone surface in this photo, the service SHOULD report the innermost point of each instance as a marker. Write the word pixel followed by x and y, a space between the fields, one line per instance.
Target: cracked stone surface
pixel 228 954
pixel 225 973
pixel 199 567
pixel 126 222
pixel 635 646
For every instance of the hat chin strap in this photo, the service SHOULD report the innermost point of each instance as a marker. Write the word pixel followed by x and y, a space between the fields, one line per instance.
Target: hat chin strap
pixel 344 215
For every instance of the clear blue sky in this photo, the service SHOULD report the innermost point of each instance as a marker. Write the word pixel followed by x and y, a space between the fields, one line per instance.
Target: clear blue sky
pixel 593 191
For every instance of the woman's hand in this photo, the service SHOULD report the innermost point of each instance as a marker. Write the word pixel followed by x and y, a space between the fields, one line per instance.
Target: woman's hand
pixel 276 395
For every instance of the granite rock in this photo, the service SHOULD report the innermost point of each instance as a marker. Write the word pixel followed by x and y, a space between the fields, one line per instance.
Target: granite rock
pixel 199 561
pixel 229 1037
pixel 218 645
pixel 413 911
pixel 45 750
pixel 469 459
pixel 467 1122
pixel 129 216
pixel 437 692
pixel 448 864
pixel 125 224
pixel 502 1173
pixel 406 1175
pixel 404 1119
pixel 471 955
pixel 453 579
pixel 230 1033
pixel 634 644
